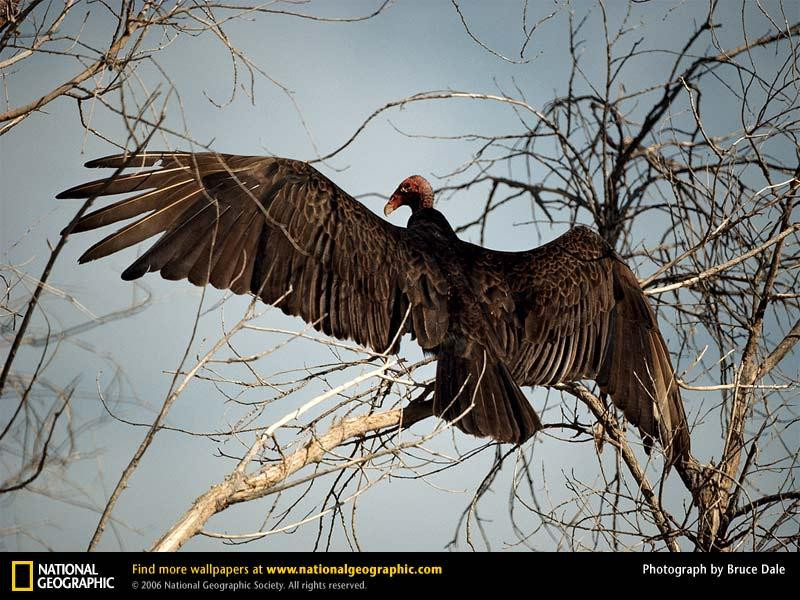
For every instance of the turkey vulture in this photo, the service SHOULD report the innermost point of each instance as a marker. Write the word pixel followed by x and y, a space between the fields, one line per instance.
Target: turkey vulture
pixel 565 311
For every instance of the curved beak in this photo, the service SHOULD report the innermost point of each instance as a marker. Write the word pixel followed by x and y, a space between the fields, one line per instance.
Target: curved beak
pixel 394 202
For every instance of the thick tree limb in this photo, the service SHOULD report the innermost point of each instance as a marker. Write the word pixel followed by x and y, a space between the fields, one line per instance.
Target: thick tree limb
pixel 238 487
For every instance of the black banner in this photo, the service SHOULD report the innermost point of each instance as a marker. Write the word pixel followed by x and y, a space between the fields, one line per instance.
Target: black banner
pixel 366 574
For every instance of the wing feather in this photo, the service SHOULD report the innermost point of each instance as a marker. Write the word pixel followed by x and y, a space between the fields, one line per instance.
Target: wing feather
pixel 262 225
pixel 578 312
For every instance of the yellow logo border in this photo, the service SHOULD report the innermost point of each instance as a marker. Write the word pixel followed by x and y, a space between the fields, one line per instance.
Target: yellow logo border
pixel 29 564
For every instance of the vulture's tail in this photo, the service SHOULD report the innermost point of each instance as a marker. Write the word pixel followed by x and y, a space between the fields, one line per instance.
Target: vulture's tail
pixel 482 399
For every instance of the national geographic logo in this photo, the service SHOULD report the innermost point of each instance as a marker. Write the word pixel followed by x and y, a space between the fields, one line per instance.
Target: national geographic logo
pixel 27 577
pixel 21 575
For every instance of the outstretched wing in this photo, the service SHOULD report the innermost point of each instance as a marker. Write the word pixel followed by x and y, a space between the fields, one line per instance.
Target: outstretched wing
pixel 572 310
pixel 271 226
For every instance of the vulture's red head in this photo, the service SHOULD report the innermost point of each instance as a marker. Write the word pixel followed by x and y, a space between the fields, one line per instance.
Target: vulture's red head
pixel 415 192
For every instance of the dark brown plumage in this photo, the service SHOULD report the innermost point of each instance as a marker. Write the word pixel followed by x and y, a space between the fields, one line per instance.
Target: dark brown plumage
pixel 565 311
